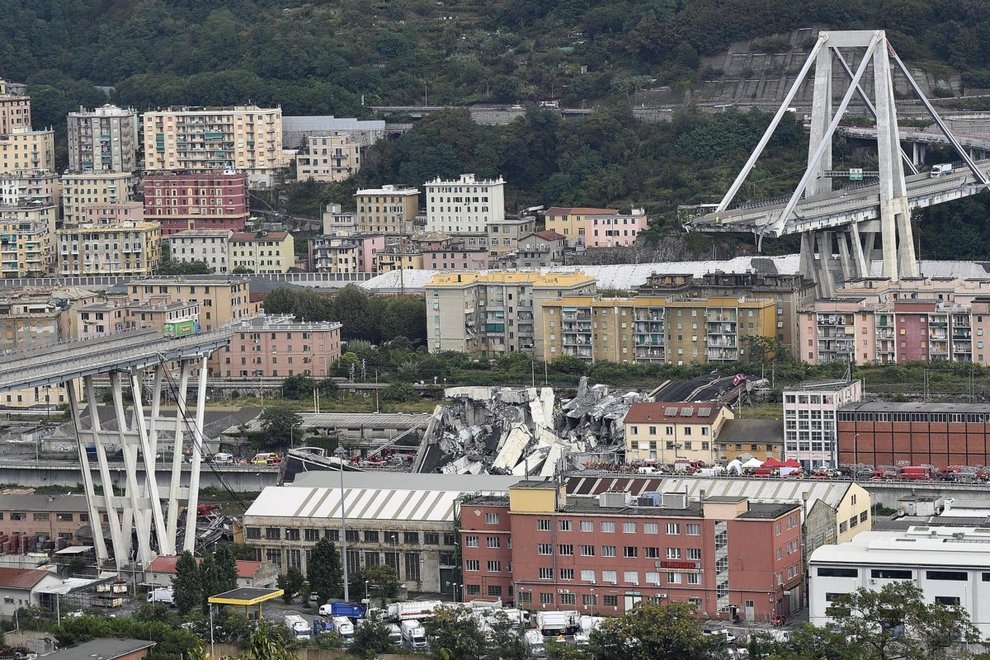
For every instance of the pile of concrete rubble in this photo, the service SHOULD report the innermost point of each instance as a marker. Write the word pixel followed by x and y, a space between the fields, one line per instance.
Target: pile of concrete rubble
pixel 490 430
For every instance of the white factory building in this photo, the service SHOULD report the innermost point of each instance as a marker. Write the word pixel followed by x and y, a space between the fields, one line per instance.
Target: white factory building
pixel 950 565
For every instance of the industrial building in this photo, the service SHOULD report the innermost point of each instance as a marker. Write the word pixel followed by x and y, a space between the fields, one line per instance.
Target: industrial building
pixel 406 521
pixel 729 557
pixel 951 566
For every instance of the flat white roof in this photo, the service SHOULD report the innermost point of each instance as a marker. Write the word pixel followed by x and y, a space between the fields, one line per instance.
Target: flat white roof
pixel 961 547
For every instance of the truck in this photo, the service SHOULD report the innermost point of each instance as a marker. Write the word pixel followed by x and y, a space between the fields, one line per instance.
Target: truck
pixel 394 634
pixel 412 609
pixel 941 169
pixel 301 629
pixel 413 635
pixel 343 627
pixel 533 641
pixel 915 473
pixel 340 608
pixel 566 622
pixel 163 595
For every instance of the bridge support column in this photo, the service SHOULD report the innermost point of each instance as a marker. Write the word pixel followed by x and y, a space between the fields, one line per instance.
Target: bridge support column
pixel 139 525
pixel 918 154
pixel 816 261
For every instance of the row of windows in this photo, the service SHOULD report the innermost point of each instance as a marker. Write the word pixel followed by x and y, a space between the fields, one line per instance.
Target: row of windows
pixel 898 574
pixel 924 417
pixel 353 535
pixel 609 526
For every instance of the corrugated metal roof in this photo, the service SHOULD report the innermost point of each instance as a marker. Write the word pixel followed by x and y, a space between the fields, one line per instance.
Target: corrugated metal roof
pixel 756 490
pixel 379 496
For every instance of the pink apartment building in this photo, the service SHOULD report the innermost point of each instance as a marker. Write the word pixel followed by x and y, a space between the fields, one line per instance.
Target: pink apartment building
pixel 454 258
pixel 197 200
pixel 278 347
pixel 613 230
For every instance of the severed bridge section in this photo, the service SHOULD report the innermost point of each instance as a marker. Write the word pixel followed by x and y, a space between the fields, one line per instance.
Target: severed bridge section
pixel 144 519
pixel 840 229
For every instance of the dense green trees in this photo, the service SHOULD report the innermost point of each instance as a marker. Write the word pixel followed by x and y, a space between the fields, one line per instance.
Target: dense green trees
pixel 324 571
pixel 365 317
pixel 279 426
pixel 187 583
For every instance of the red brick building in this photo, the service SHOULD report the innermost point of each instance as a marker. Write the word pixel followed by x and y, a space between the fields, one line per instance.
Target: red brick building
pixel 197 200
pixel 888 433
pixel 604 554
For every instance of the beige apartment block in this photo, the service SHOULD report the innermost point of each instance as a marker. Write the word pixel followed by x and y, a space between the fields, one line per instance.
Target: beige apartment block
pixel 504 235
pixel 125 248
pixel 111 213
pixel 656 329
pixel 242 138
pixel 103 140
pixel 329 158
pixel 82 189
pixel 24 150
pixel 386 210
pixel 668 432
pixel 28 212
pixel 485 314
pixel 222 300
pixel 262 252
pixel 15 110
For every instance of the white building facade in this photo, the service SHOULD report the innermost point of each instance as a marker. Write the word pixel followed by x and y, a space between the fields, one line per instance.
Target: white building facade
pixel 810 409
pixel 951 565
pixel 464 206
pixel 209 245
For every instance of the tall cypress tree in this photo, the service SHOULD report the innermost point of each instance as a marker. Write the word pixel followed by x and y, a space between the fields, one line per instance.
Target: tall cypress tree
pixel 324 570
pixel 187 583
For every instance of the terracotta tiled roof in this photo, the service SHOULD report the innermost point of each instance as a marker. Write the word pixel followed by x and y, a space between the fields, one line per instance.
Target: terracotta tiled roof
pixel 672 413
pixel 21 578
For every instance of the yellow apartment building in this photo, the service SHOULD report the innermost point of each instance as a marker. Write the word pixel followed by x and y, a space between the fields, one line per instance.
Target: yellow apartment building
pixel 386 210
pixel 262 252
pixel 126 248
pixel 655 329
pixel 669 432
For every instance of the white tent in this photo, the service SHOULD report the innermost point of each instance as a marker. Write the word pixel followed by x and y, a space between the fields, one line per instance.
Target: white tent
pixel 734 467
pixel 752 463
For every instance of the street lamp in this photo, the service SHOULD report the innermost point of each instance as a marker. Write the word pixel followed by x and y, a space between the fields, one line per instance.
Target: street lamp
pixel 341 453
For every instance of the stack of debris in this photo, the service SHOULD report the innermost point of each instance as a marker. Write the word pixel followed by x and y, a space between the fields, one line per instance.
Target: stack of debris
pixel 490 430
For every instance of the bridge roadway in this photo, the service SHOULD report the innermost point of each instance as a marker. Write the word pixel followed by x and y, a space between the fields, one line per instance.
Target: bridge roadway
pixel 840 207
pixel 309 280
pixel 57 363
pixel 36 474
pixel 972 139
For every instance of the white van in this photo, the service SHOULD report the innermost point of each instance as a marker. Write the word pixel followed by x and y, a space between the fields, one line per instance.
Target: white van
pixel 223 459
pixel 942 169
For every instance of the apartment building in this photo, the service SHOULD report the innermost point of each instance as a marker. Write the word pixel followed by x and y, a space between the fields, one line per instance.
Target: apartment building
pixel 329 158
pixel 619 230
pixel 409 526
pixel 728 556
pixel 504 235
pixel 663 433
pixel 455 257
pixel 493 313
pixel 278 347
pixel 15 110
pixel 464 206
pixel 262 251
pixel 810 413
pixel 25 150
pixel 247 139
pixel 386 210
pixel 396 258
pixel 578 225
pixel 197 200
pixel 675 330
pixel 790 292
pixel 103 140
pixel 337 222
pixel 124 248
pixel 950 565
pixel 537 250
pixel 28 212
pixel 221 300
pixel 211 246
pixel 43 517
pixel 329 254
pixel 81 190
pixel 111 213
pixel 117 313
pixel 933 433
